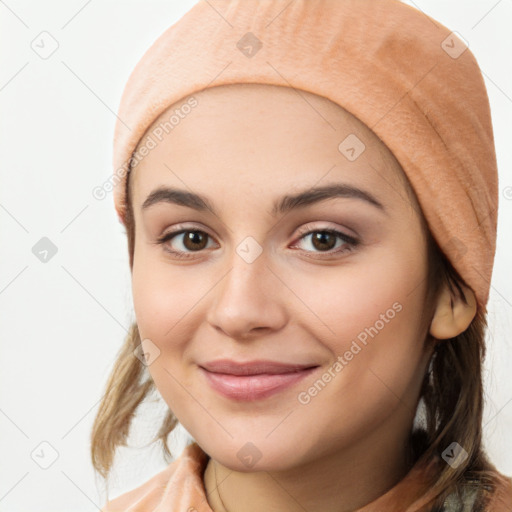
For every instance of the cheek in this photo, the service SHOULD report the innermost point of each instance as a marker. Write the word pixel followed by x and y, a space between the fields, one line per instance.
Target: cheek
pixel 372 315
pixel 371 323
pixel 349 298
pixel 164 310
pixel 163 296
pixel 163 302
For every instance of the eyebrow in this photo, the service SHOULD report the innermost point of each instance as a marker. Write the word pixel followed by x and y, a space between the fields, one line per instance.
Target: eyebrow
pixel 283 205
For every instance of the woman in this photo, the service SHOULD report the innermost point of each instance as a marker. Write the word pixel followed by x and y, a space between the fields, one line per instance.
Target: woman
pixel 309 191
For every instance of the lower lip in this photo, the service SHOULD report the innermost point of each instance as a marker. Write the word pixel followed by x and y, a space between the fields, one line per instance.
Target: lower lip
pixel 253 387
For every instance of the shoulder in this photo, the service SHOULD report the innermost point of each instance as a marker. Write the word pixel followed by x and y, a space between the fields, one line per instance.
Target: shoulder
pixel 166 485
pixel 501 500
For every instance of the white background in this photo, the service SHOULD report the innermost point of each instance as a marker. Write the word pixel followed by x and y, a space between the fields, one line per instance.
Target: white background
pixel 63 321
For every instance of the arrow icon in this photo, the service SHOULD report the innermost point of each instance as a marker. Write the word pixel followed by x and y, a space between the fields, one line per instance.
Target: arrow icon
pixel 44 455
pixel 249 45
pixel 45 45
pixel 249 454
pixel 249 249
pixel 454 45
pixel 44 250
pixel 351 147
pixel 147 352
pixel 454 455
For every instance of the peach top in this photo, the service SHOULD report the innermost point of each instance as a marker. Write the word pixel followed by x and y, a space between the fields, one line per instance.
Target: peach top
pixel 180 488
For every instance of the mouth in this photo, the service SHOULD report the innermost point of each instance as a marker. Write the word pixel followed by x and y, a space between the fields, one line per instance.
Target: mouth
pixel 253 380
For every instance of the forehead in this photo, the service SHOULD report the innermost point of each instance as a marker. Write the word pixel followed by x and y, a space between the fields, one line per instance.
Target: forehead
pixel 250 133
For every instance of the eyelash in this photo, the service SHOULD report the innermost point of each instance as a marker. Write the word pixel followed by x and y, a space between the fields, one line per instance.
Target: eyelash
pixel 351 242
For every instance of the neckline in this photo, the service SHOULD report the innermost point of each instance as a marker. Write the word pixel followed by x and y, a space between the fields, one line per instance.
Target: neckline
pixel 411 490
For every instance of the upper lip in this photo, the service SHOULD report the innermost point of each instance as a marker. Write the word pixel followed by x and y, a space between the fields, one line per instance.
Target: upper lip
pixel 254 367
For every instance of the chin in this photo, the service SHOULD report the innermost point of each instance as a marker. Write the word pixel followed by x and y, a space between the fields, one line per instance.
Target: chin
pixel 246 456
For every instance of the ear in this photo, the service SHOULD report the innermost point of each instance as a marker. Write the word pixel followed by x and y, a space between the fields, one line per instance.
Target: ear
pixel 452 315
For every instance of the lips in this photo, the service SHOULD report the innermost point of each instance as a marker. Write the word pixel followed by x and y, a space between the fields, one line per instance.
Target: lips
pixel 253 367
pixel 254 379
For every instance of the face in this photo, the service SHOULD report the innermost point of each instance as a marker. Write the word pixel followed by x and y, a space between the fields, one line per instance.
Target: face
pixel 278 265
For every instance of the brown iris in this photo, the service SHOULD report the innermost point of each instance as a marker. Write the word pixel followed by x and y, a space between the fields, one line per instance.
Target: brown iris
pixel 195 240
pixel 320 240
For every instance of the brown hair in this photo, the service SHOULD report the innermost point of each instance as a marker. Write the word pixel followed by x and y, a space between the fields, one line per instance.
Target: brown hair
pixel 450 402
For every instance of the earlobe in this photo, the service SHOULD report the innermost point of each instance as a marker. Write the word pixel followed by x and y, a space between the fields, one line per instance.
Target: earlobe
pixel 452 315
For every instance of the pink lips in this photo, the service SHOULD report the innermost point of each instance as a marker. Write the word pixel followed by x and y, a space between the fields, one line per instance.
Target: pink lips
pixel 254 379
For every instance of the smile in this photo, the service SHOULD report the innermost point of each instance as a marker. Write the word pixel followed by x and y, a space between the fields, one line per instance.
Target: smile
pixel 254 380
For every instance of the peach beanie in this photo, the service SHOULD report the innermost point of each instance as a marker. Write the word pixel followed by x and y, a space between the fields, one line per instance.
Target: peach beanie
pixel 407 77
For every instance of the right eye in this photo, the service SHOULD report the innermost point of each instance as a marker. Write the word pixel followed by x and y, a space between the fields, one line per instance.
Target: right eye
pixel 193 240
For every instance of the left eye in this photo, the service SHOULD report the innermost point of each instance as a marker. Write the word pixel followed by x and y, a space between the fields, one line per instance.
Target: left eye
pixel 324 240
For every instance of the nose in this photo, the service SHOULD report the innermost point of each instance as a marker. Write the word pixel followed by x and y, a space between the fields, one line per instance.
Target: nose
pixel 248 300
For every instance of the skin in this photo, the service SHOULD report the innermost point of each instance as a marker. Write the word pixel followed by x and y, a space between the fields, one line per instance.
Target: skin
pixel 243 147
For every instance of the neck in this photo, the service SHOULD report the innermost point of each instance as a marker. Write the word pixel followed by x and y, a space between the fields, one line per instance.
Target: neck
pixel 340 481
